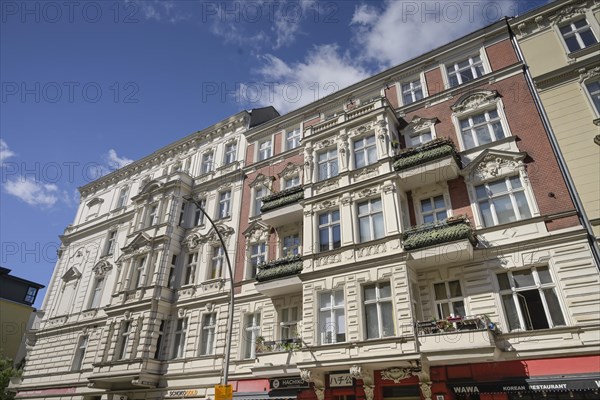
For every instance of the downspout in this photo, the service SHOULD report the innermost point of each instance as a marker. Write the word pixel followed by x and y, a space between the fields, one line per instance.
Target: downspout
pixel 585 222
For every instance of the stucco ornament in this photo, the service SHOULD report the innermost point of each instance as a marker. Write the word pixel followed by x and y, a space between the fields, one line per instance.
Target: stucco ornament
pixel 426 390
pixel 396 374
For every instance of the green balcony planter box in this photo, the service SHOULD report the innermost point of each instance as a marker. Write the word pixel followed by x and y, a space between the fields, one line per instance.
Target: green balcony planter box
pixel 430 151
pixel 449 230
pixel 283 198
pixel 280 268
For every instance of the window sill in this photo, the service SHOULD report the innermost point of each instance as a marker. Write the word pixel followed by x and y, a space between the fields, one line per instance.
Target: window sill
pixel 584 52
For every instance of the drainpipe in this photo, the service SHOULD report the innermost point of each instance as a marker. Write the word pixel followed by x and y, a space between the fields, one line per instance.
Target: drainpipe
pixel 585 222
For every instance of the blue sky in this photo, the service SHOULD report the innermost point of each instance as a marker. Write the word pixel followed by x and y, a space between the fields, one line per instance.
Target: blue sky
pixel 88 86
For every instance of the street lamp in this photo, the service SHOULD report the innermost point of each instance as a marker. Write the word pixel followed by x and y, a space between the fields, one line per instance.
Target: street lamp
pixel 231 297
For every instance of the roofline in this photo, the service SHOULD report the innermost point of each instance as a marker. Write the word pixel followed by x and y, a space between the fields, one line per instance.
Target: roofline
pixel 6 272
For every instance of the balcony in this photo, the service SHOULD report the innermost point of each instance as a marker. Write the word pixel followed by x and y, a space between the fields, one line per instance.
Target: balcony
pixel 472 335
pixel 281 208
pixel 280 276
pixel 349 115
pixel 276 357
pixel 126 374
pixel 448 241
pixel 429 163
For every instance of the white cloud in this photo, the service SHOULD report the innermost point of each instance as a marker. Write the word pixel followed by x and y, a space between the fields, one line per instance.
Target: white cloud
pixel 5 152
pixel 116 162
pixel 288 20
pixel 289 86
pixel 33 192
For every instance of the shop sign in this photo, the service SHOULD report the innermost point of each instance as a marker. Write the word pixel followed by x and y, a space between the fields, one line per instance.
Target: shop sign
pixel 534 385
pixel 340 380
pixel 55 391
pixel 183 393
pixel 288 383
pixel 223 392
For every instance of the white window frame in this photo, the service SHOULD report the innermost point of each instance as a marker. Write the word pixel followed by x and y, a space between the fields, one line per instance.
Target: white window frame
pixel 258 192
pixel 208 334
pixel 80 351
pixel 431 197
pixel 160 339
pixel 124 336
pixel 207 162
pixel 294 137
pixel 152 215
pixel 370 215
pixel 285 249
pixel 179 338
pixel 137 272
pixel 449 300
pixel 576 32
pixel 256 259
pixel 367 150
pixel 423 127
pixel 595 107
pixel 172 271
pixel 510 192
pixel 412 90
pixel 122 199
pixel 538 285
pixel 329 334
pixel 224 208
pixel 191 268
pixel 466 55
pixel 489 121
pixel 472 66
pixel 230 153
pixel 264 149
pixel 217 262
pixel 289 324
pixel 292 181
pixel 329 163
pixel 199 215
pixel 329 225
pixel 96 294
pixel 111 240
pixel 378 301
pixel 251 330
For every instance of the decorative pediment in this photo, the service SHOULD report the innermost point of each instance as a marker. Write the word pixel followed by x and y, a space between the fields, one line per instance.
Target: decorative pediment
pixel 192 240
pixel 139 244
pixel 263 180
pixel 150 187
pixel 257 231
pixel 396 374
pixel 94 201
pixel 224 230
pixel 419 124
pixel 491 163
pixel 101 268
pixel 290 170
pixel 71 275
pixel 474 100
pixel 568 12
pixel 361 129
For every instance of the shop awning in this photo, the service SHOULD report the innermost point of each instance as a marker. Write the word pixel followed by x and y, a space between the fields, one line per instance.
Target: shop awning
pixel 540 384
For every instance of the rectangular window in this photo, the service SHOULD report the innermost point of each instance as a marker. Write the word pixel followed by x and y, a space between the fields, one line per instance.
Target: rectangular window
pixel 109 248
pixel 433 209
pixel 216 265
pixel 209 324
pixel 365 152
pixel 449 300
pixel 225 205
pixel 480 129
pixel 291 182
pixel 264 150
pixel 230 153
pixel 502 201
pixel 530 300
pixel 370 220
pixel 327 164
pixel 379 315
pixel 138 271
pixel 578 35
pixel 252 331
pixel 593 89
pixel 198 214
pixel 332 320
pixel 329 231
pixel 96 293
pixel 171 279
pixel 465 71
pixel 289 323
pixel 179 338
pixel 291 245
pixel 258 254
pixel 182 214
pixel 207 162
pixel 122 197
pixel 418 138
pixel 30 295
pixel 190 269
pixel 259 193
pixel 411 92
pixel 292 139
pixel 161 333
pixel 152 215
pixel 124 340
pixel 80 353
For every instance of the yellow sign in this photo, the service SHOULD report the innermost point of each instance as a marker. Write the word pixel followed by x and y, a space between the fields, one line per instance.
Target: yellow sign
pixel 223 392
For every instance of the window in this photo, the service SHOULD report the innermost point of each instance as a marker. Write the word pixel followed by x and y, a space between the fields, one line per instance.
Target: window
pixel 80 353
pixel 411 92
pixel 465 71
pixel 433 209
pixel 264 149
pixel 230 153
pixel 379 315
pixel 190 269
pixel 207 162
pixel 122 197
pixel 292 139
pixel 418 138
pixel 332 321
pixel 259 193
pixel 216 265
pixel 136 279
pixel 124 340
pixel 289 323
pixel 370 220
pixel 109 247
pixel 251 332
pixel 179 341
pixel 171 279
pixel 152 215
pixel 480 129
pixel 96 293
pixel 161 334
pixel 30 295
pixel 258 253
pixel 329 231
pixel 291 245
pixel 578 35
pixel 291 182
pixel 449 300
pixel 502 201
pixel 593 89
pixel 198 214
pixel 529 299
pixel 365 152
pixel 327 164
pixel 182 214
pixel 209 323
pixel 224 204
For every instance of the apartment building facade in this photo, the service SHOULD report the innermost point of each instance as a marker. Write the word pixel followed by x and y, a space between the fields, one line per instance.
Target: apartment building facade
pixel 410 236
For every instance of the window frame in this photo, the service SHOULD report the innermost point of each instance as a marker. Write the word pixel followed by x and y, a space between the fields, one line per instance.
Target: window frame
pixel 95 298
pixel 370 215
pixel 489 122
pixel 332 164
pixel 295 138
pixel 367 150
pixel 122 197
pixel 159 339
pixel 258 192
pixel 378 301
pixel 260 150
pixel 449 300
pixel 208 329
pixel 256 259
pixel 290 324
pixel 297 246
pixel 420 214
pixel 30 297
pixel 80 351
pixel 333 316
pixel 215 271
pixel 230 153
pixel 410 82
pixel 207 163
pixel 191 268
pixel 251 333
pixel 464 57
pixel 224 204
pixel 594 105
pixel 291 179
pixel 199 215
pixel 109 245
pixel 330 226
pixel 576 33
pixel 137 272
pixel 179 338
pixel 124 338
pixel 513 201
